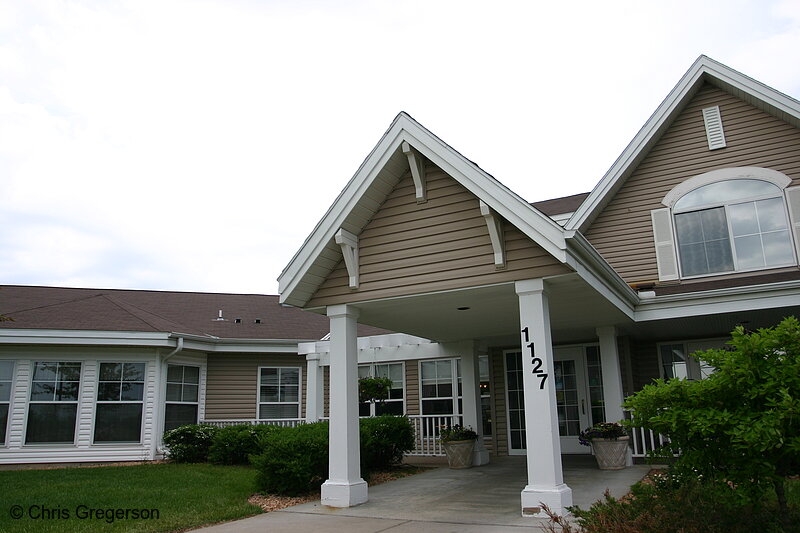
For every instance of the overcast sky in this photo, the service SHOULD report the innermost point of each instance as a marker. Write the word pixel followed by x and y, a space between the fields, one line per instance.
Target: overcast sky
pixel 193 145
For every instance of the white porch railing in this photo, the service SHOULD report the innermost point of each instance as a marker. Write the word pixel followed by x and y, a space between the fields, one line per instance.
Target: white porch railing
pixel 426 432
pixel 283 422
pixel 644 440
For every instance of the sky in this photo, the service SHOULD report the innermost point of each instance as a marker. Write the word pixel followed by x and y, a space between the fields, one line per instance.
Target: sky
pixel 193 145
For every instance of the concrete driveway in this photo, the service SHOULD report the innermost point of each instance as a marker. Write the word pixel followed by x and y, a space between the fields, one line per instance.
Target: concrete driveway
pixel 483 499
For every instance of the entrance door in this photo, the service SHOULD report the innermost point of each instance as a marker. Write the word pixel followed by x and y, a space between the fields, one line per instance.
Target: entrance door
pixel 571 399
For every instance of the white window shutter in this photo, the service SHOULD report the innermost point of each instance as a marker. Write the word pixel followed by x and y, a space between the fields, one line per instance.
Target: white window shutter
pixel 714 131
pixel 793 197
pixel 665 244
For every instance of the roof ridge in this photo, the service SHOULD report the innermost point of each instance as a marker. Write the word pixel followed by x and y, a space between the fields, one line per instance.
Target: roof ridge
pixel 125 305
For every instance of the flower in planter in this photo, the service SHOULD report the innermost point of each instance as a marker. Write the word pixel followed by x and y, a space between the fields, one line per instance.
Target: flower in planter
pixel 601 430
pixel 456 432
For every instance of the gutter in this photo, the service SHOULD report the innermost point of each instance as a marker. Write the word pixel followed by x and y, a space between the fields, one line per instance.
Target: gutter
pixel 158 444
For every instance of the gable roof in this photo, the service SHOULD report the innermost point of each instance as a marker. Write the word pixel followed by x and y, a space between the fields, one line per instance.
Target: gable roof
pixel 191 313
pixel 704 70
pixel 376 177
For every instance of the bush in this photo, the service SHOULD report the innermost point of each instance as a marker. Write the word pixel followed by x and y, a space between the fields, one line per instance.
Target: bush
pixel 293 461
pixel 384 439
pixel 189 443
pixel 233 445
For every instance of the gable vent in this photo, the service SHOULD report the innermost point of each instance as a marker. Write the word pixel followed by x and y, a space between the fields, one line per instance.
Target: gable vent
pixel 714 132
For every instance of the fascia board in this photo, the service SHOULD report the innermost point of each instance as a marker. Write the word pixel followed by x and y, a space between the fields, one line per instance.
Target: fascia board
pixel 540 228
pixel 83 337
pixel 321 235
pixel 645 135
pixel 729 300
pixel 703 68
pixel 593 269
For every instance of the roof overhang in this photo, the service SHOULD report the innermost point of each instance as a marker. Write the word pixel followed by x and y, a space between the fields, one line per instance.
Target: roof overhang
pixel 703 70
pixel 376 177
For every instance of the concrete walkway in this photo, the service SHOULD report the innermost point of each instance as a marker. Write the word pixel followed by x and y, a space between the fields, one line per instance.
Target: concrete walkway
pixel 483 499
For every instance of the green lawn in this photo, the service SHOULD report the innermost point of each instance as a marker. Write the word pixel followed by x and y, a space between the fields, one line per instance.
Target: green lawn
pixel 183 495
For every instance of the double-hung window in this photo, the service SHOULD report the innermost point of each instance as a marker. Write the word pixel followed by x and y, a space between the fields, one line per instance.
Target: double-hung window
pixel 486 394
pixel 53 407
pixel 6 381
pixel 183 390
pixel 675 362
pixel 279 392
pixel 441 386
pixel 394 404
pixel 120 402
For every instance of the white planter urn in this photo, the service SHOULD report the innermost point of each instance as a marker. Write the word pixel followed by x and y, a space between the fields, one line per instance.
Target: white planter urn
pixel 459 453
pixel 611 454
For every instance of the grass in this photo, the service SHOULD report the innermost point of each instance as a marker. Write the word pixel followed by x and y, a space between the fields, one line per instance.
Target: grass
pixel 184 495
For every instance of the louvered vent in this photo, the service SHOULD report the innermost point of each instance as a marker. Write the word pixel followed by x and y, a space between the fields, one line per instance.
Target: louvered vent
pixel 714 132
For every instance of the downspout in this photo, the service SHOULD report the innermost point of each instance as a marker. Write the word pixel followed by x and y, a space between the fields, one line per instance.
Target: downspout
pixel 158 445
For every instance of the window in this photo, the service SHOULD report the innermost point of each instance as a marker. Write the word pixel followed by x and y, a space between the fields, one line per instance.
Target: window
pixel 595 373
pixel 6 381
pixel 183 389
pixel 732 225
pixel 279 393
pixel 53 407
pixel 675 363
pixel 120 402
pixel 440 380
pixel 486 394
pixel 394 405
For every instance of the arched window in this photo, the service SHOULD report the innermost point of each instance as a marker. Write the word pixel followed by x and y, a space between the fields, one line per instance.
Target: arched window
pixel 728 220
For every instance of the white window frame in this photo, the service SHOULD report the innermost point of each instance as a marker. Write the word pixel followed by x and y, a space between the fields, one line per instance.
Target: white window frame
pixel 182 383
pixel 10 400
pixel 299 401
pixel 488 395
pixel 773 177
pixel 98 402
pixel 695 370
pixel 371 373
pixel 455 379
pixel 77 402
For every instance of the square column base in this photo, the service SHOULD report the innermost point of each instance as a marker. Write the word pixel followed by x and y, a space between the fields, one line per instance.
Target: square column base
pixel 557 499
pixel 344 494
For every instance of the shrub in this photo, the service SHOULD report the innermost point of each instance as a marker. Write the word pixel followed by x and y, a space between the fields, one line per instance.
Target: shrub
pixel 189 443
pixel 457 432
pixel 233 445
pixel 601 430
pixel 384 439
pixel 293 460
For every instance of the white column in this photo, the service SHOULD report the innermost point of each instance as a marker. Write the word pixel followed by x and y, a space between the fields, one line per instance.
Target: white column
pixel 344 487
pixel 545 477
pixel 612 377
pixel 314 388
pixel 471 401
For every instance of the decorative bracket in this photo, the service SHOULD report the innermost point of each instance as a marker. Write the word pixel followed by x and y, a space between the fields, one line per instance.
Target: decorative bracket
pixel 349 244
pixel 495 225
pixel 417 164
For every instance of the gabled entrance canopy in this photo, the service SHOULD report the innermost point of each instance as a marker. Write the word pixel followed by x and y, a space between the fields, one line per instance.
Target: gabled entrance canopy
pixel 402 148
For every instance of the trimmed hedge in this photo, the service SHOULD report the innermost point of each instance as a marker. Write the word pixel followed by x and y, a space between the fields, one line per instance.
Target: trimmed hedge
pixel 233 445
pixel 190 443
pixel 295 460
pixel 384 440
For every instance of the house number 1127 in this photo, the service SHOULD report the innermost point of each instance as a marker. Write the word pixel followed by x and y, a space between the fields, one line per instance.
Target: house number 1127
pixel 535 361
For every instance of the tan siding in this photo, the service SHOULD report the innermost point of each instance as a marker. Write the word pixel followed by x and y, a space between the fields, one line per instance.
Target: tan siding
pixel 622 232
pixel 500 428
pixel 412 387
pixel 232 383
pixel 410 248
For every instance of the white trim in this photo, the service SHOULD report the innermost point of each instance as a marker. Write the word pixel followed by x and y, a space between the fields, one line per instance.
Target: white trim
pixel 779 179
pixel 703 69
pixel 10 402
pixel 299 401
pixel 349 244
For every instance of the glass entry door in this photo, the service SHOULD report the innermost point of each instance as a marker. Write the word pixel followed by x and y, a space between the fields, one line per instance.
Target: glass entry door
pixel 571 399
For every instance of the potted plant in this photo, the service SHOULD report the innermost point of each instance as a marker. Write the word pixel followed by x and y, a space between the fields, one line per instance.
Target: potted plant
pixel 609 443
pixel 459 443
